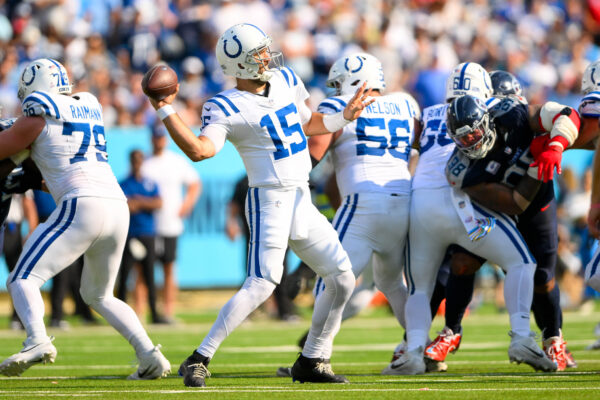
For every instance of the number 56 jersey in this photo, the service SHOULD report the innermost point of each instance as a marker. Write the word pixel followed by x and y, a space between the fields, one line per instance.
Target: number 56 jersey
pixel 265 129
pixel 70 152
pixel 371 155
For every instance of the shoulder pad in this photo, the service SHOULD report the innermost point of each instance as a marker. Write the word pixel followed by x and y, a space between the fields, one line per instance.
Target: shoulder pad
pixel 290 76
pixel 41 104
pixel 332 105
pixel 456 168
pixel 505 106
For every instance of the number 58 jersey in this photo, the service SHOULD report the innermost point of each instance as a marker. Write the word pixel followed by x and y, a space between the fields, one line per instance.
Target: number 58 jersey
pixel 371 155
pixel 265 129
pixel 70 152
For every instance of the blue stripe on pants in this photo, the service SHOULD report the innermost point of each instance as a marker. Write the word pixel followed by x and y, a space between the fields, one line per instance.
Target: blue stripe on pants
pixel 250 245
pixel 257 237
pixel 514 237
pixel 33 248
pixel 52 238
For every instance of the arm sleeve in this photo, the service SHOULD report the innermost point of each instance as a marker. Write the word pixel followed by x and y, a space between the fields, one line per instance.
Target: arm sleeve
pixel 215 125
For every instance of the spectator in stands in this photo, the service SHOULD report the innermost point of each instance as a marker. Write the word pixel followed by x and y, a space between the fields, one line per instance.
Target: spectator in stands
pixel 143 199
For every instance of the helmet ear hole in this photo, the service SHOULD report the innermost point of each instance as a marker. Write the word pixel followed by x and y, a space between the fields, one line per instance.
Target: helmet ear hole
pixel 240 66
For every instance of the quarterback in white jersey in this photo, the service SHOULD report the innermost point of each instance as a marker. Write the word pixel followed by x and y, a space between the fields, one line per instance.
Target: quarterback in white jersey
pixel 267 120
pixel 66 137
pixel 370 158
pixel 441 216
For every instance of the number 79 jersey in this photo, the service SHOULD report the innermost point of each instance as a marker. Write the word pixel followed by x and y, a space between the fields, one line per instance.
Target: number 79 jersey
pixel 371 155
pixel 265 130
pixel 70 152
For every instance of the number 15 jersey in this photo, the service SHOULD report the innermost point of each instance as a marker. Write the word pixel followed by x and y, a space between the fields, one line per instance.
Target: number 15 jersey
pixel 371 155
pixel 266 130
pixel 70 152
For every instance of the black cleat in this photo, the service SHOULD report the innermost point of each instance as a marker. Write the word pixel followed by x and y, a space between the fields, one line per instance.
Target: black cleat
pixel 317 370
pixel 194 370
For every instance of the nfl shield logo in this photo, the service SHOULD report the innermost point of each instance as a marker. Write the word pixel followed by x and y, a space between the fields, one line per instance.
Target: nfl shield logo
pixel 493 167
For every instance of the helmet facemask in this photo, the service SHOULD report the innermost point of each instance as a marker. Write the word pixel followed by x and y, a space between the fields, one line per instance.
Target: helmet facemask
pixel 477 140
pixel 263 61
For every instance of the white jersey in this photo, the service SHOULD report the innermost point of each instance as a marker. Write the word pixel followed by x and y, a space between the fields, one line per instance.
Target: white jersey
pixel 371 155
pixel 435 149
pixel 70 152
pixel 266 130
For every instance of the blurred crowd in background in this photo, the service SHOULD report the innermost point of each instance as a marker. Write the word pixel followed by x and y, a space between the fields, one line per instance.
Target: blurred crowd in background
pixel 107 45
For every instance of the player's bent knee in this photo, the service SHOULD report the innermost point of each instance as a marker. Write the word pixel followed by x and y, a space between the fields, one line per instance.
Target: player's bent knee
pixel 343 282
pixel 464 264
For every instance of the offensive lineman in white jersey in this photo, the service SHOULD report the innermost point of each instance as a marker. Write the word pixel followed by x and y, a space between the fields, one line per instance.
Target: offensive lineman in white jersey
pixel 441 216
pixel 66 137
pixel 370 158
pixel 266 119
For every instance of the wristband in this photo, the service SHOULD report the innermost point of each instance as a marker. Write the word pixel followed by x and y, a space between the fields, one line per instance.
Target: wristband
pixel 335 122
pixel 165 111
pixel 20 156
pixel 596 205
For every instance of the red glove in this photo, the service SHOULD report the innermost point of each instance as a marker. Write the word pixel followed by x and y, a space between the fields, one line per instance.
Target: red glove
pixel 549 158
pixel 538 144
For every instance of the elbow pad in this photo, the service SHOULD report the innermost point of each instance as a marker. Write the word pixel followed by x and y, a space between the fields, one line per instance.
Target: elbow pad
pixel 562 122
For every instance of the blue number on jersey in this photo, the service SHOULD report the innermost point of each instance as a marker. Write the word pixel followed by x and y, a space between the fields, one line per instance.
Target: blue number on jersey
pixel 435 125
pixel 393 126
pixel 295 147
pixel 97 130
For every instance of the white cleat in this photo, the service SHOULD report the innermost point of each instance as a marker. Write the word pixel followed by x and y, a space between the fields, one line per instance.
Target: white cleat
pixel 399 350
pixel 153 365
pixel 34 352
pixel 524 349
pixel 409 363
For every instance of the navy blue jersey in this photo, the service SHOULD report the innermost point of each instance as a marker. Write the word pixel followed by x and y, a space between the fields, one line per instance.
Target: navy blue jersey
pixel 507 162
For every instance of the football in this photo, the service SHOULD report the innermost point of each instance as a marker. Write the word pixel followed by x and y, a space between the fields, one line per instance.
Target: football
pixel 159 82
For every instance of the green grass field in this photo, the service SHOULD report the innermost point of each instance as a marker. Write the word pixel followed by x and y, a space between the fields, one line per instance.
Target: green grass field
pixel 93 362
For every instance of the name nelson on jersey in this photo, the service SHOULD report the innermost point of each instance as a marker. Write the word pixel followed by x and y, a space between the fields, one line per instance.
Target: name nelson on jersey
pixel 384 107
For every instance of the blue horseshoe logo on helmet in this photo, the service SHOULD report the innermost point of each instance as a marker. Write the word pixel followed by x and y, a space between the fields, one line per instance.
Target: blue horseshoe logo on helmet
pixel 354 70
pixel 239 50
pixel 32 76
pixel 592 75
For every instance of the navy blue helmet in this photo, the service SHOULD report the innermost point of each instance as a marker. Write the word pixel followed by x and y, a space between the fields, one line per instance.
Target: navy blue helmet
pixel 504 83
pixel 470 126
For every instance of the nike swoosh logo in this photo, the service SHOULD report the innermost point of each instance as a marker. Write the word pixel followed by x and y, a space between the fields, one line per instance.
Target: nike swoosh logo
pixel 536 353
pixel 394 365
pixel 206 109
pixel 31 348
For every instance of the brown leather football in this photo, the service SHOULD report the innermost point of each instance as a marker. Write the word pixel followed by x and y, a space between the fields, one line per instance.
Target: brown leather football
pixel 159 82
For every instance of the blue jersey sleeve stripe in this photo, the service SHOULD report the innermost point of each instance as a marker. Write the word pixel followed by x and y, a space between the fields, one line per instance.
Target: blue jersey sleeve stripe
pixel 221 106
pixel 39 101
pixel 285 75
pixel 331 106
pixel 228 101
pixel 51 102
pixel 342 102
pixel 293 74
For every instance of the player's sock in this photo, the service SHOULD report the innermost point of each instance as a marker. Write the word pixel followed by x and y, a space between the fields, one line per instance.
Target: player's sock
pixel 122 317
pixel 28 303
pixel 360 299
pixel 418 320
pixel 327 314
pixel 518 293
pixel 459 293
pixel 547 312
pixel 439 294
pixel 253 293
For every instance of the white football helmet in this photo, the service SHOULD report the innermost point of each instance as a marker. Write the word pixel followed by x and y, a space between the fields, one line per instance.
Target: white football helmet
pixel 348 73
pixel 44 74
pixel 468 78
pixel 591 78
pixel 239 53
